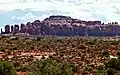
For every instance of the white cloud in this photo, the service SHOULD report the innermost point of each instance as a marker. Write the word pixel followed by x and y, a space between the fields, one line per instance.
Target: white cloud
pixel 28 16
pixel 83 9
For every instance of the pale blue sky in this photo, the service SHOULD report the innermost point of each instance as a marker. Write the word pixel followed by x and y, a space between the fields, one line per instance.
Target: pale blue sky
pixel 18 11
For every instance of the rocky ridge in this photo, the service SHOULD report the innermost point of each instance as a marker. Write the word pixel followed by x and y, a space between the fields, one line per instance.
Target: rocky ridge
pixel 64 26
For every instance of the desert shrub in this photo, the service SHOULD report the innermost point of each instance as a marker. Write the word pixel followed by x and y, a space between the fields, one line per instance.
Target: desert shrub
pixel 81 47
pixel 62 48
pixel 38 38
pixel 23 69
pixel 51 67
pixel 7 68
pixel 67 69
pixel 100 67
pixel 113 63
pixel 3 36
pixel 105 53
pixel 91 42
pixel 114 43
pixel 14 38
pixel 118 53
pixel 16 64
pixel 112 66
pixel 14 48
pixel 2 49
pixel 32 47
pixel 0 38
pixel 111 71
pixel 30 73
pixel 73 45
pixel 96 72
pixel 86 69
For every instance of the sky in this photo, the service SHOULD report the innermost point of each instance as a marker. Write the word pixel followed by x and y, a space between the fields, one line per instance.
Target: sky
pixel 22 11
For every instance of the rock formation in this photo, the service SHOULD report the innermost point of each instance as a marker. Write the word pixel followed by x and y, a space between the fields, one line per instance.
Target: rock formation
pixel 65 26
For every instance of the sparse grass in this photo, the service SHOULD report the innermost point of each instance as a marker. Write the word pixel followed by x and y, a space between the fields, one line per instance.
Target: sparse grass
pixel 82 51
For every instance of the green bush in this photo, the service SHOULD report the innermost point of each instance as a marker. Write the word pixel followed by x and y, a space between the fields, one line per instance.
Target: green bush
pixel 114 43
pixel 7 68
pixel 96 72
pixel 105 53
pixel 51 67
pixel 113 63
pixel 100 67
pixel 38 38
pixel 118 53
pixel 110 71
pixel 91 42
pixel 30 73
pixel 2 49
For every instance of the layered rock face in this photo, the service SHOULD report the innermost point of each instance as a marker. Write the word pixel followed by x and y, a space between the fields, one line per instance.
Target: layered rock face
pixel 65 26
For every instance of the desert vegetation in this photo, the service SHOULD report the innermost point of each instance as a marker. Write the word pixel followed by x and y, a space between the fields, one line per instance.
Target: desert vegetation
pixel 52 55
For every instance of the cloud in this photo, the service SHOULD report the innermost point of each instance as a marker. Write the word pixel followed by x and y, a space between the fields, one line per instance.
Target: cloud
pixel 17 11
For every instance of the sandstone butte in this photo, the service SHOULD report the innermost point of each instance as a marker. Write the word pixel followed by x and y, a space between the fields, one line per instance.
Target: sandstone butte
pixel 63 26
